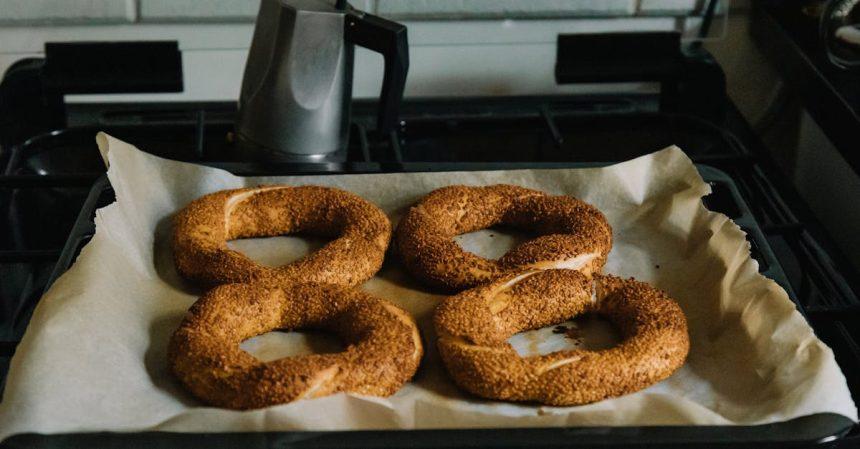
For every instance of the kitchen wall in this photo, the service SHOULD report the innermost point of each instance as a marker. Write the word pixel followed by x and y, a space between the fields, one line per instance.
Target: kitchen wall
pixel 449 56
pixel 133 11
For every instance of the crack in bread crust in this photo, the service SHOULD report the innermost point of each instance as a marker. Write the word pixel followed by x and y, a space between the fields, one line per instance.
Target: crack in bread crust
pixel 235 199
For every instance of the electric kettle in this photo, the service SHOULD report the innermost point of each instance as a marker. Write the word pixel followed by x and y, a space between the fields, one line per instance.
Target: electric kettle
pixel 297 87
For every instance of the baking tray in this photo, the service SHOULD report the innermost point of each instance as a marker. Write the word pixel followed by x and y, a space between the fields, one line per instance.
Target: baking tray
pixel 819 430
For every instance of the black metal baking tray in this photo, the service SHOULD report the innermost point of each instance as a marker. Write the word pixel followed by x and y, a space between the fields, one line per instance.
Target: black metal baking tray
pixel 819 430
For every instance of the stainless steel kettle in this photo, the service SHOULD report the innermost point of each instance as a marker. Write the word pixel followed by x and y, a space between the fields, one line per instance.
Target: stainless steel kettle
pixel 297 86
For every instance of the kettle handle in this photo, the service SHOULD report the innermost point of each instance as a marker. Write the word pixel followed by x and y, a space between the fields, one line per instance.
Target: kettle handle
pixel 388 38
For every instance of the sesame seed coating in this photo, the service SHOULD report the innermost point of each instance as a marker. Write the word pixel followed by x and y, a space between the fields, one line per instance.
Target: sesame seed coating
pixel 474 326
pixel 383 346
pixel 574 234
pixel 202 229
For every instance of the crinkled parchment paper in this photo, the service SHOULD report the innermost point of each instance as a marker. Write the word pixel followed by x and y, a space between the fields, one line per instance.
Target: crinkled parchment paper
pixel 93 357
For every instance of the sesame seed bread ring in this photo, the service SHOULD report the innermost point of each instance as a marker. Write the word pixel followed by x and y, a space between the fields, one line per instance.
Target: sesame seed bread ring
pixel 573 234
pixel 203 228
pixel 474 327
pixel 383 347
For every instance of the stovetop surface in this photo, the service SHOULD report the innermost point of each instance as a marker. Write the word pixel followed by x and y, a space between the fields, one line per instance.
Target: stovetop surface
pixel 46 179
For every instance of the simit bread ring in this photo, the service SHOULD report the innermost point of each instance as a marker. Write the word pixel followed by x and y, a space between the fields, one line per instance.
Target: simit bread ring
pixel 383 347
pixel 202 229
pixel 574 234
pixel 474 327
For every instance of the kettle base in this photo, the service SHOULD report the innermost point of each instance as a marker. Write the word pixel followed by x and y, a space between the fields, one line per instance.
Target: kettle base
pixel 251 151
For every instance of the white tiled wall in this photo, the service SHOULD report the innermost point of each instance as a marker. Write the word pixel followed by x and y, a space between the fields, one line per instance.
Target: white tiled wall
pixel 128 11
pixel 423 9
pixel 448 56
pixel 66 11
pixel 182 10
pixel 670 6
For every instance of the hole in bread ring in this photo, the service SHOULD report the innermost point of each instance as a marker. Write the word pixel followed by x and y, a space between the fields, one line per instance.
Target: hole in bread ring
pixel 473 338
pixel 382 345
pixel 572 234
pixel 361 233
pixel 279 343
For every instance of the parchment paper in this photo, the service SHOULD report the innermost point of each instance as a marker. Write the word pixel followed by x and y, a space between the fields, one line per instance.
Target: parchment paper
pixel 93 357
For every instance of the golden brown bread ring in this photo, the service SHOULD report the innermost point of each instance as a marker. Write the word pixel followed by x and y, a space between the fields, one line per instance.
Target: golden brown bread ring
pixel 474 327
pixel 203 228
pixel 383 346
pixel 574 234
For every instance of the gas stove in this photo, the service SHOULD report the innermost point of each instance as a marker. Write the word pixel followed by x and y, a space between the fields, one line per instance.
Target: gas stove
pixel 47 198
